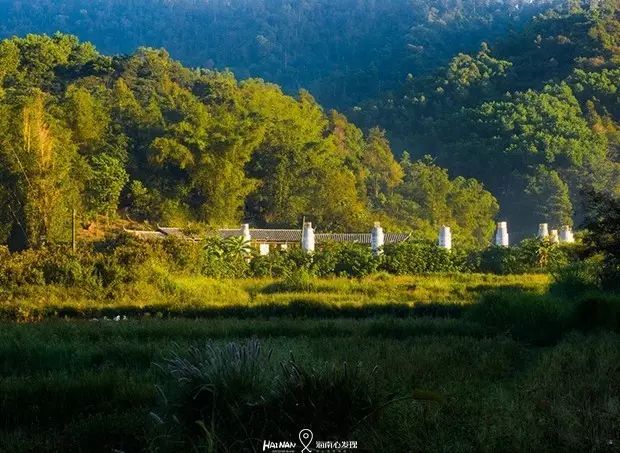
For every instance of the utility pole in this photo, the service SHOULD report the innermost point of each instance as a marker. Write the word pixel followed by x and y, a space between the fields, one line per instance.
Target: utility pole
pixel 73 243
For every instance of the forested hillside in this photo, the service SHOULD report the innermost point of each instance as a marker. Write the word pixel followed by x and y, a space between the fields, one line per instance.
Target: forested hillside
pixel 342 51
pixel 145 137
pixel 530 118
pixel 534 116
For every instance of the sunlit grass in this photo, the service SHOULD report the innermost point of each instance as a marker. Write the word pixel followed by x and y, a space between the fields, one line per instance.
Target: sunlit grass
pixel 191 296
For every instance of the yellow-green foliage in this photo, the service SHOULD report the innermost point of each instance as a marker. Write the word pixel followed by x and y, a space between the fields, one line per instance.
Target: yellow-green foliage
pixel 160 293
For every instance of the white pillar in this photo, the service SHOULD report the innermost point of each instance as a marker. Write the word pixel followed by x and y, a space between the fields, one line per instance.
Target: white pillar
pixel 247 239
pixel 543 230
pixel 377 239
pixel 501 235
pixel 307 238
pixel 566 234
pixel 554 237
pixel 245 232
pixel 445 238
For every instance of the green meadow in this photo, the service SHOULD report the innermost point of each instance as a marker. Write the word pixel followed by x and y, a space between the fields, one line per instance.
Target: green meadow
pixel 173 295
pixel 472 362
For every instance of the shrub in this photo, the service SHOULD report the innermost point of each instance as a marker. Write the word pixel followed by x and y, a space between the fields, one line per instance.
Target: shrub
pixel 542 255
pixel 225 258
pixel 348 260
pixel 531 255
pixel 184 255
pixel 576 278
pixel 501 260
pixel 413 257
pixel 280 263
pixel 20 269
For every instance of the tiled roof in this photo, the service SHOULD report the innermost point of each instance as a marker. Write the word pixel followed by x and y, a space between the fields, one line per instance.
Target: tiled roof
pixel 267 235
pixel 172 232
pixel 145 234
pixel 274 235
pixel 360 238
pixel 177 232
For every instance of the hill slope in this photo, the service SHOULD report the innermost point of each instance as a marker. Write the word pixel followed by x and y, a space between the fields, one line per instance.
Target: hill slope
pixel 342 51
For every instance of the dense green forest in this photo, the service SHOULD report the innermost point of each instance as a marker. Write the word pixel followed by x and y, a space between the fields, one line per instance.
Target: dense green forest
pixel 534 116
pixel 144 135
pixel 526 122
pixel 342 51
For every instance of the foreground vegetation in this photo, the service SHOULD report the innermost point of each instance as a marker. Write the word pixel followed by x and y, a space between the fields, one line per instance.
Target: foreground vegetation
pixel 91 385
pixel 181 346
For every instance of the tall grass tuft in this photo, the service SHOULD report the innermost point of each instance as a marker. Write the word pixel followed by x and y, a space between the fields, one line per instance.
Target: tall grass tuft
pixel 230 398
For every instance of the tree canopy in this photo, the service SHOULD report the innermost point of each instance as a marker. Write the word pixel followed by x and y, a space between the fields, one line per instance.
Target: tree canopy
pixel 143 136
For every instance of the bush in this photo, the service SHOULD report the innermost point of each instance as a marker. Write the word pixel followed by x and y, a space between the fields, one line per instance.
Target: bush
pixel 531 255
pixel 22 268
pixel 413 257
pixel 343 259
pixel 501 260
pixel 225 258
pixel 185 256
pixel 280 263
pixel 576 278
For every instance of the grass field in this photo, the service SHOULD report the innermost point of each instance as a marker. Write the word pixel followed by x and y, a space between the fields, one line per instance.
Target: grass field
pixel 86 385
pixel 177 295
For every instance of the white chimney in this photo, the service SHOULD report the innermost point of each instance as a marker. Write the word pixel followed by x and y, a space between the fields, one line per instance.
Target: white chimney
pixel 307 238
pixel 377 239
pixel 501 235
pixel 445 238
pixel 554 237
pixel 566 234
pixel 245 233
pixel 543 230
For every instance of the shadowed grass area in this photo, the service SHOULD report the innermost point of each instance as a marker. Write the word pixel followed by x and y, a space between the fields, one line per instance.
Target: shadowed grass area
pixel 89 386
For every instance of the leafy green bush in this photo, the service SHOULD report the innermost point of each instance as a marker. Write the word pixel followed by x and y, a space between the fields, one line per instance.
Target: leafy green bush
pixel 413 257
pixel 20 269
pixel 576 278
pixel 345 259
pixel 225 258
pixel 281 263
pixel 531 255
pixel 501 260
pixel 185 256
